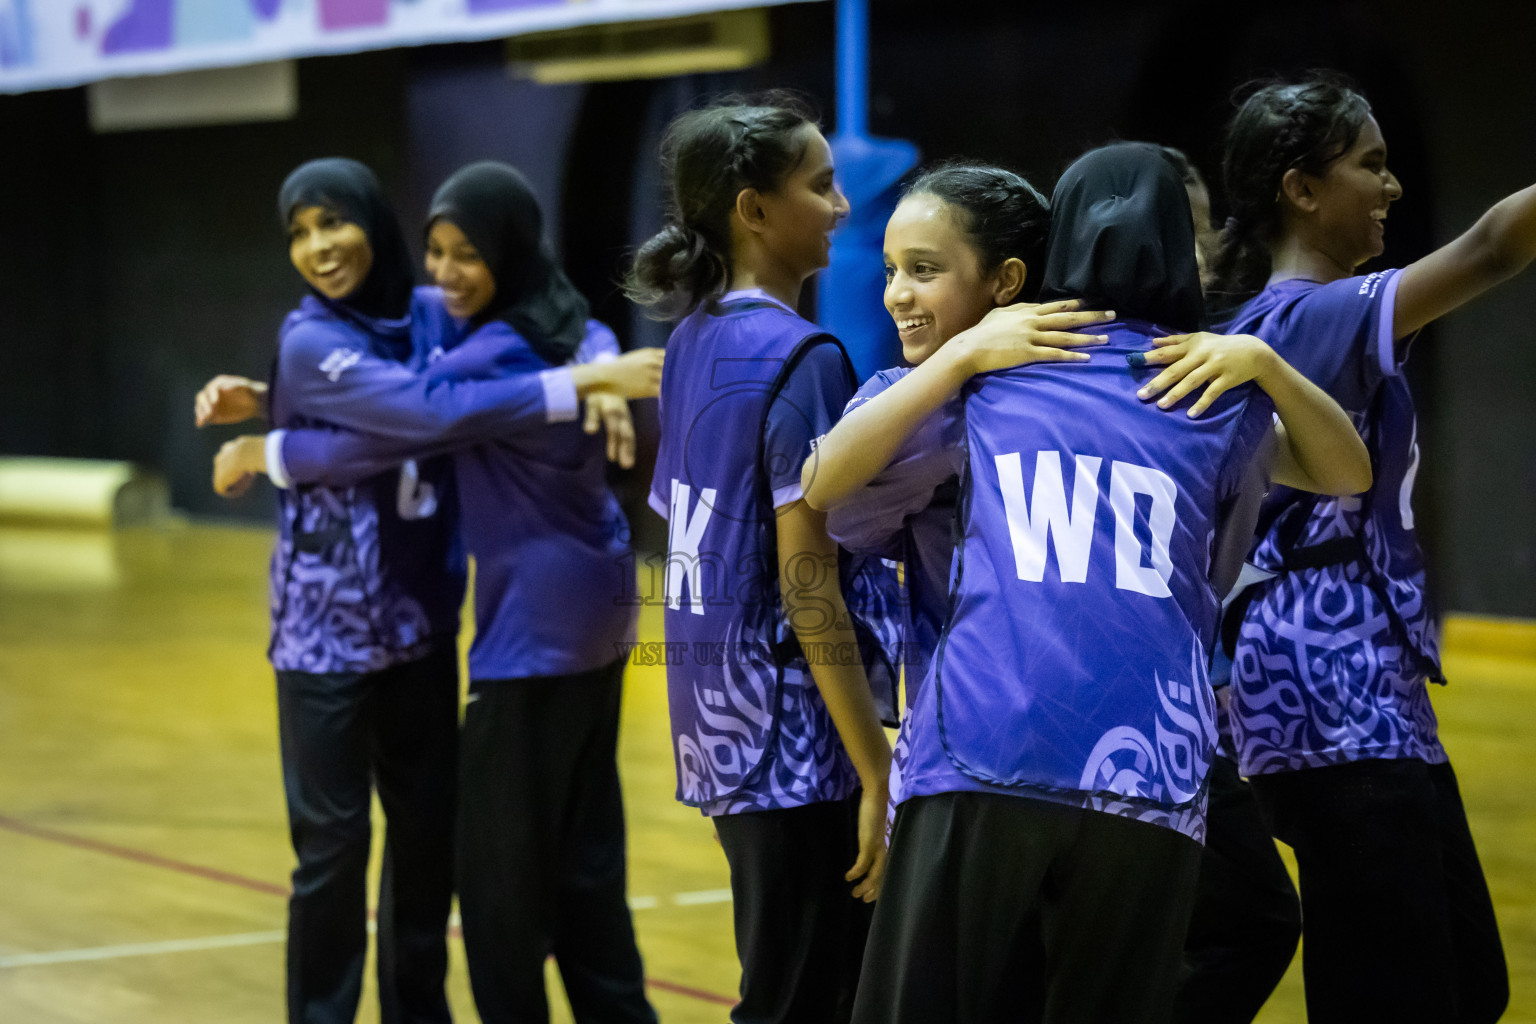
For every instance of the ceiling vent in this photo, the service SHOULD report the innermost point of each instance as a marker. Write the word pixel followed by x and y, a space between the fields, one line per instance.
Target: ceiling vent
pixel 727 41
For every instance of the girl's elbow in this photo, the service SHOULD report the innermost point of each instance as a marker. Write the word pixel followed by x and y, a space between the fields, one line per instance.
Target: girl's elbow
pixel 819 500
pixel 1363 480
pixel 1356 480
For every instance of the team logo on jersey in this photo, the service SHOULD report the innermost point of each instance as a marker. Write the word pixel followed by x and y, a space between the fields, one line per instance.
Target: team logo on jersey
pixel 339 361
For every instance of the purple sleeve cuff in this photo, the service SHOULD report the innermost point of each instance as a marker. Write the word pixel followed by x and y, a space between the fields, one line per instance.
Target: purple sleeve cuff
pixel 659 505
pixel 277 470
pixel 560 404
pixel 599 346
pixel 788 495
pixel 1386 340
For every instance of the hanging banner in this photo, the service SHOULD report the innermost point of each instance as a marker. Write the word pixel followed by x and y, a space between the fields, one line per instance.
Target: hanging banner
pixel 48 44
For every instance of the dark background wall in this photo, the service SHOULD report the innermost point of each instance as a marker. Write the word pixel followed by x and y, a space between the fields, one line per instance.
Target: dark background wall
pixel 139 264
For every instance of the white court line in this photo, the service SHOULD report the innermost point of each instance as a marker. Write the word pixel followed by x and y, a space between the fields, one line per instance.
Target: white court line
pixel 67 956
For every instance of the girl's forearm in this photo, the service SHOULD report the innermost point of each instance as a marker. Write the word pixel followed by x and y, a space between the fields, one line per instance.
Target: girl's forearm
pixel 1500 245
pixel 1510 229
pixel 814 608
pixel 866 440
pixel 1320 451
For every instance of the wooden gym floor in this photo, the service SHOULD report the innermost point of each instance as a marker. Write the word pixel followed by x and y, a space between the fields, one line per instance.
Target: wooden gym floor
pixel 144 856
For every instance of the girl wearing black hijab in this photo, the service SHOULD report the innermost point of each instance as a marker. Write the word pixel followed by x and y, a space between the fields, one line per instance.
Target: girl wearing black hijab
pixel 541 866
pixel 1054 782
pixel 365 594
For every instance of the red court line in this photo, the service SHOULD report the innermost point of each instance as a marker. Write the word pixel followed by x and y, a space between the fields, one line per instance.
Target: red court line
pixel 692 993
pixel 256 885
pixel 142 857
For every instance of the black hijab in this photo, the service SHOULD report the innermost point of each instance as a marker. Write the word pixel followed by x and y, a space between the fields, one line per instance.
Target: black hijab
pixel 492 204
pixel 352 192
pixel 1122 238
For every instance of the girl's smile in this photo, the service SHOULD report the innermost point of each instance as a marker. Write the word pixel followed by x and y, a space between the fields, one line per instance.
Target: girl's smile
pixel 331 254
pixel 1352 198
pixel 458 268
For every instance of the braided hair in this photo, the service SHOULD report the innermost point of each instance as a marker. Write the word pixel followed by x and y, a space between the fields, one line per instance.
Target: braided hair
pixel 1306 125
pixel 708 157
pixel 1004 215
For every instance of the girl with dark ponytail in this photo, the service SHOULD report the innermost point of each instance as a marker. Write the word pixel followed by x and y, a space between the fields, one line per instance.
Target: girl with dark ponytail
pixel 1331 711
pixel 775 727
pixel 1305 126
pixel 709 156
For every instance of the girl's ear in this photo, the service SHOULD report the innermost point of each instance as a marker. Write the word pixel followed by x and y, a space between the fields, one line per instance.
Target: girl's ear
pixel 1297 189
pixel 750 209
pixel 1008 281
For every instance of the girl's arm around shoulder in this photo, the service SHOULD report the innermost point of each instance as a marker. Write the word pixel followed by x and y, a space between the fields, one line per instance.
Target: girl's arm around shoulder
pixel 862 445
pixel 1319 449
pixel 330 378
pixel 331 458
pixel 1500 245
pixel 870 520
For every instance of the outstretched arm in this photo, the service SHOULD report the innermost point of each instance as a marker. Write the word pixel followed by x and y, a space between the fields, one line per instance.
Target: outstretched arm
pixel 1500 245
pixel 355 389
pixel 864 442
pixel 494 408
pixel 1319 449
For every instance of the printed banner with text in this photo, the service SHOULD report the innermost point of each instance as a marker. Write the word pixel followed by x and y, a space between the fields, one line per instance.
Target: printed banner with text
pixel 46 44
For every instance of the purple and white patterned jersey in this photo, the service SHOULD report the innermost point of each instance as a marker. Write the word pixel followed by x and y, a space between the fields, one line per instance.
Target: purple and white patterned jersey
pixel 1335 652
pixel 748 385
pixel 367 575
pixel 534 505
pixel 1073 665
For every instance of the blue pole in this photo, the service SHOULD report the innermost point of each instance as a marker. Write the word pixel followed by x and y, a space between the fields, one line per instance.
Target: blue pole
pixel 853 67
pixel 849 292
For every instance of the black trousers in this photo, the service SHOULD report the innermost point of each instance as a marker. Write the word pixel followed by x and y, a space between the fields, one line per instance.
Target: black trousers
pixel 541 864
pixel 342 735
pixel 1399 925
pixel 799 930
pixel 1247 917
pixel 972 875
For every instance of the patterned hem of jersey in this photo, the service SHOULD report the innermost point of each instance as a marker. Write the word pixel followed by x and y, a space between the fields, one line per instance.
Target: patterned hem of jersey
pixel 1295 761
pixel 1186 819
pixel 377 659
pixel 745 802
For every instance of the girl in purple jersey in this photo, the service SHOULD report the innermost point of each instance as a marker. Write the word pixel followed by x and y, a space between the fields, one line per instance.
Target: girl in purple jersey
pixel 950 260
pixel 778 740
pixel 365 611
pixel 1332 717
